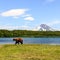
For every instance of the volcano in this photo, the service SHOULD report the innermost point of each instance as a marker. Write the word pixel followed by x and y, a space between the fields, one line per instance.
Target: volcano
pixel 44 27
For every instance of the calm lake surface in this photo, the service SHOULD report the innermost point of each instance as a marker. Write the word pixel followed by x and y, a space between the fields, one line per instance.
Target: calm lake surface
pixel 32 41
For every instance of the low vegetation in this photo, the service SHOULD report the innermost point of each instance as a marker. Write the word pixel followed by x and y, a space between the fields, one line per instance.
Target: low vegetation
pixel 29 52
pixel 25 33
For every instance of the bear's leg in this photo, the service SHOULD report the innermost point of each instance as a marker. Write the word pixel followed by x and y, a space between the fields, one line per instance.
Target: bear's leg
pixel 16 42
pixel 21 42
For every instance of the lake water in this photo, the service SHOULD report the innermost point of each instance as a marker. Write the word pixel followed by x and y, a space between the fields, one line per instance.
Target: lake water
pixel 32 41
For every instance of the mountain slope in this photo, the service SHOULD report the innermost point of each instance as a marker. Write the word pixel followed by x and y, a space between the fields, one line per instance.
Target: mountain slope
pixel 44 27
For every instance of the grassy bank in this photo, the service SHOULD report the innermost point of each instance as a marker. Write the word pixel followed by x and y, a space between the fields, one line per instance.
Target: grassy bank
pixel 29 52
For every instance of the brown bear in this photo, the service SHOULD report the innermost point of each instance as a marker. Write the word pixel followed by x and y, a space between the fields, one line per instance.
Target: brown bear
pixel 18 40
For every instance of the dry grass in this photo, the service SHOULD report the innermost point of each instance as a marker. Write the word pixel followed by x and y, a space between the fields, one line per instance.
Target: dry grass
pixel 30 52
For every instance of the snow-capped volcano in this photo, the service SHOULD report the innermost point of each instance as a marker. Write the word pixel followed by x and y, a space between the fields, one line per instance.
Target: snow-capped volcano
pixel 44 27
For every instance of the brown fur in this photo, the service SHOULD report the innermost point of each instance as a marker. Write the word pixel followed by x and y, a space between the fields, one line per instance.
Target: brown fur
pixel 18 40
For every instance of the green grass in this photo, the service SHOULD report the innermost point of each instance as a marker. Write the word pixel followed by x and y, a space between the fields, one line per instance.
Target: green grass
pixel 29 52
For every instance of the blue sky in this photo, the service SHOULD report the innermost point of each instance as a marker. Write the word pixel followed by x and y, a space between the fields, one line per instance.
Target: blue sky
pixel 29 14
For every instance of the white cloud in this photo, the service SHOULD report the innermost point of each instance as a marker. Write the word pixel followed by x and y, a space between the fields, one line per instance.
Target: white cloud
pixel 26 15
pixel 9 27
pixel 29 18
pixel 14 12
pixel 36 29
pixel 54 22
pixel 25 27
pixel 15 17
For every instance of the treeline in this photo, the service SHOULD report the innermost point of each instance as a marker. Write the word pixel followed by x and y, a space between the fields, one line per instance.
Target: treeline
pixel 25 33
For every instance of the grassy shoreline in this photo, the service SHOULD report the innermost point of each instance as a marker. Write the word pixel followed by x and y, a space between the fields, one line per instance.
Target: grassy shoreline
pixel 29 52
